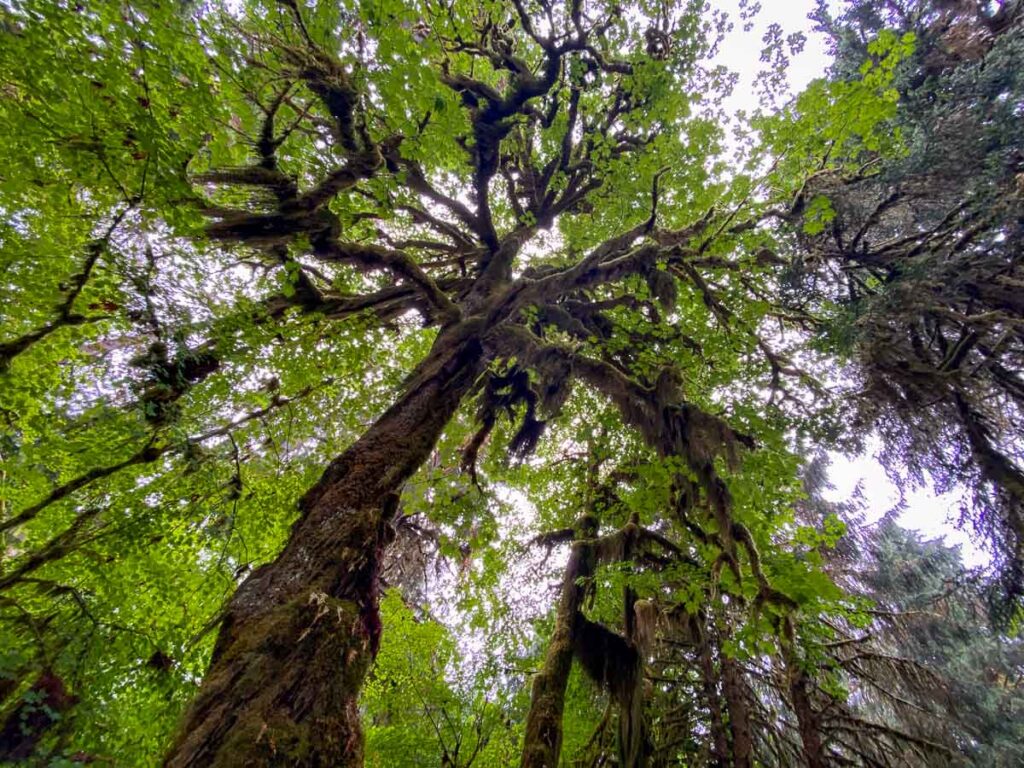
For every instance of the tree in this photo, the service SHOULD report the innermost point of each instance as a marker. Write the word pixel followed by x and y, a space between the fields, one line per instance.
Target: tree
pixel 336 280
pixel 930 662
pixel 921 252
pixel 937 618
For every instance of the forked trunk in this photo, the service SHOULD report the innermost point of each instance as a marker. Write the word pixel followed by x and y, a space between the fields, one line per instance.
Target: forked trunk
pixel 301 632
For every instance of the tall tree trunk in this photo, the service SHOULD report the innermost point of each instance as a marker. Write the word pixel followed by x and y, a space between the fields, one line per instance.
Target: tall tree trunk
pixel 719 742
pixel 733 687
pixel 634 738
pixel 543 739
pixel 807 720
pixel 799 683
pixel 301 632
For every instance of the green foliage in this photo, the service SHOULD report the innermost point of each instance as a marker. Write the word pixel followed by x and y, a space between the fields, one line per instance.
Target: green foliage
pixel 939 619
pixel 418 701
pixel 191 335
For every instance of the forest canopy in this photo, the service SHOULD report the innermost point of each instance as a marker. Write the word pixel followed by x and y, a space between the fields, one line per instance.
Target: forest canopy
pixel 411 383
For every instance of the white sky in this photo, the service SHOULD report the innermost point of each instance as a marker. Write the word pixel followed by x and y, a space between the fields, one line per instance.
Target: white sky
pixel 741 51
pixel 934 516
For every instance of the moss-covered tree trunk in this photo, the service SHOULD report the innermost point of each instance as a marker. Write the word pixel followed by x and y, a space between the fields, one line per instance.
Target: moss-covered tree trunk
pixel 634 740
pixel 543 741
pixel 301 632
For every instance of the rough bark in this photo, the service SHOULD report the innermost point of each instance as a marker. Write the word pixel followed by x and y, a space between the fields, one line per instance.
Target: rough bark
pixel 543 739
pixel 806 718
pixel 739 713
pixel 301 632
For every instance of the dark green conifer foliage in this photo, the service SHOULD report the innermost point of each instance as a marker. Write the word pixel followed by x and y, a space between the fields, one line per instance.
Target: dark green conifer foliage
pixel 921 251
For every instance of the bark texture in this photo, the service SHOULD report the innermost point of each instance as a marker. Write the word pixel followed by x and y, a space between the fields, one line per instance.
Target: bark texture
pixel 300 633
pixel 739 713
pixel 807 720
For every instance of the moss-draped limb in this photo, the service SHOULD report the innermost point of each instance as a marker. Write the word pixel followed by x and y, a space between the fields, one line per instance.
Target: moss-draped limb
pixel 543 735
